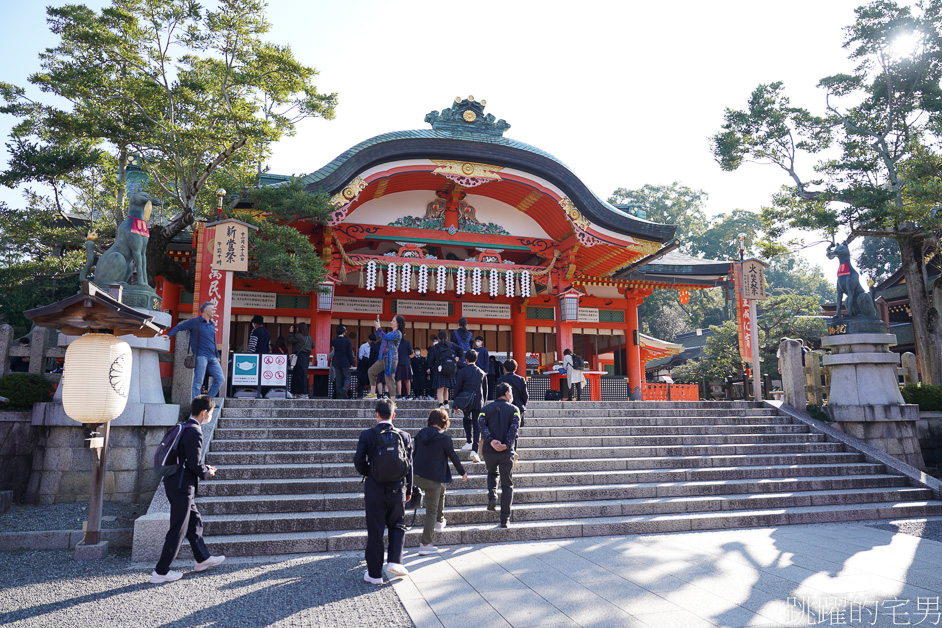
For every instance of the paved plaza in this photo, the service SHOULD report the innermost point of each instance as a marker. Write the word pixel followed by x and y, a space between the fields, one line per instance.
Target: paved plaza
pixel 849 574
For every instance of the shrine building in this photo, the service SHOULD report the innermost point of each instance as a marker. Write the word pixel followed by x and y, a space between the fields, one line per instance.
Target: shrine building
pixel 458 220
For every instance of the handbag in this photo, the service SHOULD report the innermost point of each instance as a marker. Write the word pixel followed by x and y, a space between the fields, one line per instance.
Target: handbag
pixel 190 360
pixel 464 399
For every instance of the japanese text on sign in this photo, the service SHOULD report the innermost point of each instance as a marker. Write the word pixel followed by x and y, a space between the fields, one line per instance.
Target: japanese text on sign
pixel 230 249
pixel 753 280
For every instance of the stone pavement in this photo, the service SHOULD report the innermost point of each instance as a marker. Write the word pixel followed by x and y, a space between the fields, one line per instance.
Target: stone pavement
pixel 845 574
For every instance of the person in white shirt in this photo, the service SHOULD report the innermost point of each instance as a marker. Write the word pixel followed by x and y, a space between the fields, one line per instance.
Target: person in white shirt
pixel 574 376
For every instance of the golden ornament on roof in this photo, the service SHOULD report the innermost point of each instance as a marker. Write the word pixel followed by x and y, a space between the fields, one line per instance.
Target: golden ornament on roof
pixel 469 116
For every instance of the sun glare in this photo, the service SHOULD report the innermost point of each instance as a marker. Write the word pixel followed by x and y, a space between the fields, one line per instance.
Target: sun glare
pixel 905 45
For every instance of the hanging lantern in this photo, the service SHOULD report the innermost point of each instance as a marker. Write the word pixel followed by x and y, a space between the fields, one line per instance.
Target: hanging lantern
pixel 325 295
pixel 569 305
pixel 96 378
pixel 684 297
pixel 495 282
pixel 526 285
pixel 460 281
pixel 509 275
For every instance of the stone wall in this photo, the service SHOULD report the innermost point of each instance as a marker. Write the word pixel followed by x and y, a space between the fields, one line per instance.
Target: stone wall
pixel 17 440
pixel 62 464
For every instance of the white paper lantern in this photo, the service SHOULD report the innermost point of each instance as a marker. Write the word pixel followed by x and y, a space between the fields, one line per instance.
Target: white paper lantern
pixel 371 275
pixel 406 277
pixel 391 280
pixel 440 282
pixel 96 378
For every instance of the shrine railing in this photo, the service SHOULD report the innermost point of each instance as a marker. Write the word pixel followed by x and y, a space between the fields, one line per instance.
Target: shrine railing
pixel 669 392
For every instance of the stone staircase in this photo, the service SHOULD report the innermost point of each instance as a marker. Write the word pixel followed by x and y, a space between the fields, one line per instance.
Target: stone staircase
pixel 286 483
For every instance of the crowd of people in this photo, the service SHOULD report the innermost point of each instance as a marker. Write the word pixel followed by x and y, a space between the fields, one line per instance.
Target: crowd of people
pixel 394 464
pixel 387 365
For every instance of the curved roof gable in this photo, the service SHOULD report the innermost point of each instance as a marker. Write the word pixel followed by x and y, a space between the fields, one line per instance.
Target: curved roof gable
pixel 463 132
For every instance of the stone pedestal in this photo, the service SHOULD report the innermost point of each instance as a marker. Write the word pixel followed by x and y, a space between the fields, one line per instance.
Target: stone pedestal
pixel 864 400
pixel 793 374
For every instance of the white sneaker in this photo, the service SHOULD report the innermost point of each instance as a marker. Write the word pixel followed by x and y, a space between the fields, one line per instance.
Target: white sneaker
pixel 396 569
pixel 212 561
pixel 440 525
pixel 170 576
pixel 425 550
pixel 475 457
pixel 467 447
pixel 366 578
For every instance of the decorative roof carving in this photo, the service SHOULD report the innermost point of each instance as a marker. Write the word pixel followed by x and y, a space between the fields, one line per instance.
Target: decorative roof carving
pixel 467 116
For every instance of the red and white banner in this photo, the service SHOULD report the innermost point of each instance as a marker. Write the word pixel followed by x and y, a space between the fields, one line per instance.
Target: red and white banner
pixel 743 317
pixel 210 284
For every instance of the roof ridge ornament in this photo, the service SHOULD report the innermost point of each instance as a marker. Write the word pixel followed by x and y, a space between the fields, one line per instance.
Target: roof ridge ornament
pixel 466 115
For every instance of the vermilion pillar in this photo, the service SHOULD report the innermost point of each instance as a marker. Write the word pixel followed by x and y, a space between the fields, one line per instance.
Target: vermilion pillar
pixel 518 322
pixel 635 371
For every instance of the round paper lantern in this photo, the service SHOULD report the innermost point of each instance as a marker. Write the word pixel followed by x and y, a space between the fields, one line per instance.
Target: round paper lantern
pixel 96 378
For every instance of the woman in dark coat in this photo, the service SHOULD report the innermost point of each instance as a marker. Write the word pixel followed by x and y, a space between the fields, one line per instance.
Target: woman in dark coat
pixel 442 383
pixel 303 345
pixel 433 449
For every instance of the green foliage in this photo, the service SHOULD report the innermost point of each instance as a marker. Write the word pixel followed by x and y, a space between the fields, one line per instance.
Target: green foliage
pixel 23 390
pixel 721 357
pixel 876 146
pixel 927 397
pixel 878 258
pixel 815 412
pixel 673 204
pixel 195 93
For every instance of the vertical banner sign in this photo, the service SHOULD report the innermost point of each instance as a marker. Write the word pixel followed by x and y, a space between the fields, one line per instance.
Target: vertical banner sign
pixel 274 370
pixel 743 317
pixel 753 280
pixel 210 284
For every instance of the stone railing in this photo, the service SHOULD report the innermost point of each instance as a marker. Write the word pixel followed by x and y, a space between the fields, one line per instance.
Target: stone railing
pixel 37 351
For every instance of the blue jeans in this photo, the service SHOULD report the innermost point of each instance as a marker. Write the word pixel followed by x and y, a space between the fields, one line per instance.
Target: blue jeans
pixel 215 372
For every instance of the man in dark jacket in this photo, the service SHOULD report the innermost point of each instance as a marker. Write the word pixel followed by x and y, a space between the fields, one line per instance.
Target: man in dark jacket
pixel 343 360
pixel 471 380
pixel 518 386
pixel 185 519
pixel 385 502
pixel 499 432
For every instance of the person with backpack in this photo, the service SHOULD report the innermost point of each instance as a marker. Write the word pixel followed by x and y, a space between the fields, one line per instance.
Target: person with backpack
pixel 180 460
pixel 574 377
pixel 433 449
pixel 384 459
pixel 470 394
pixel 443 363
pixel 518 386
pixel 462 338
pixel 499 424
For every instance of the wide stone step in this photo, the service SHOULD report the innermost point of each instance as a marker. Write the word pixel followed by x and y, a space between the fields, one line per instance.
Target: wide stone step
pixel 249 470
pixel 536 431
pixel 367 404
pixel 322 541
pixel 241 503
pixel 476 479
pixel 346 412
pixel 264 523
pixel 527 442
pixel 531 421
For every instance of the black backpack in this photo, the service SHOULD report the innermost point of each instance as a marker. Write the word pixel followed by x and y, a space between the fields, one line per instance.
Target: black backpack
pixel 389 460
pixel 167 446
pixel 577 362
pixel 447 360
pixel 464 340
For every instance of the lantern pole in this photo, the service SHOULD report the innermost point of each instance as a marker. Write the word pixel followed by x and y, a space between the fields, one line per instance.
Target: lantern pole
pixel 99 445
pixel 756 365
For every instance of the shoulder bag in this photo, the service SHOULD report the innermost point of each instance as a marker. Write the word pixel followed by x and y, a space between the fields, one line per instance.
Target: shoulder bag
pixel 190 360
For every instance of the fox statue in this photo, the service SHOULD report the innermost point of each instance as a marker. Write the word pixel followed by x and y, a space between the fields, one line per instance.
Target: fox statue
pixel 859 301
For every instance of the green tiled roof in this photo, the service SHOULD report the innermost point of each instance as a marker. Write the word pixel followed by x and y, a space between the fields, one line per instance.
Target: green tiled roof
pixel 424 134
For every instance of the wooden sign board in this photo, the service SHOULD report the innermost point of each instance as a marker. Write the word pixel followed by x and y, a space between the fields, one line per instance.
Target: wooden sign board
pixel 753 280
pixel 231 245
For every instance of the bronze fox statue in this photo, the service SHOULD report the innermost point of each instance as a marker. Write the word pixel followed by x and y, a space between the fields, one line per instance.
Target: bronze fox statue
pixel 859 301
pixel 129 251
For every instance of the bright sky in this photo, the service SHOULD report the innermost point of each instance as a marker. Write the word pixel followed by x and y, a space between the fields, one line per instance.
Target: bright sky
pixel 624 93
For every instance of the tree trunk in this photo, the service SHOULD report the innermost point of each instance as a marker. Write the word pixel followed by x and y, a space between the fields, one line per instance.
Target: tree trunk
pixel 928 344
